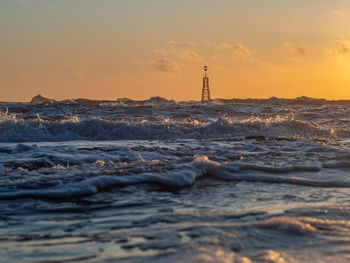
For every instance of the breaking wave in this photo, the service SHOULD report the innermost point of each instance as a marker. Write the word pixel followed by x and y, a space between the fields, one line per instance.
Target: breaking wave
pixel 180 177
pixel 97 129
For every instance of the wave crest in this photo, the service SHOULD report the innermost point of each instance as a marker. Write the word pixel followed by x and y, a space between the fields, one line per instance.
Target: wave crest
pixel 182 176
pixel 224 127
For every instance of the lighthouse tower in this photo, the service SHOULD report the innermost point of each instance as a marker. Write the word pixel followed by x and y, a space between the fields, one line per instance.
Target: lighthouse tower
pixel 205 89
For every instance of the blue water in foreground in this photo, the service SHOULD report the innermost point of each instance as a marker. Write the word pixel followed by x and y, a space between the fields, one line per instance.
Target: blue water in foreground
pixel 164 181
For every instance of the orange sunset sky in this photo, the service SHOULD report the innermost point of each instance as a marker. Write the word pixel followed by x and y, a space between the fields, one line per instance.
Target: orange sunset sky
pixel 108 49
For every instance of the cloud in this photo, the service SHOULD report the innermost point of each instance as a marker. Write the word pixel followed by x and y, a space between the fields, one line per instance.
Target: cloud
pixel 241 50
pixel 165 65
pixel 171 58
pixel 175 57
pixel 185 52
pixel 237 49
pixel 222 46
pixel 341 47
pixel 339 13
pixel 293 48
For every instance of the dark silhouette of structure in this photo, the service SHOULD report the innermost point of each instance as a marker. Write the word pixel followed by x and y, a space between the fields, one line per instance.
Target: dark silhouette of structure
pixel 205 89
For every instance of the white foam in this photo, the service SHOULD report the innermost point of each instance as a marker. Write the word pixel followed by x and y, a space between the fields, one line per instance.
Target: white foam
pixel 182 176
pixel 96 129
pixel 290 225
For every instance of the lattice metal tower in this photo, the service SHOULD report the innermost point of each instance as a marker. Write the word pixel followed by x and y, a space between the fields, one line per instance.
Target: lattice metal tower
pixel 205 89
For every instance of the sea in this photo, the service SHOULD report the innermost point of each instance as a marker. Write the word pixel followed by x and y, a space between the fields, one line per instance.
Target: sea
pixel 255 180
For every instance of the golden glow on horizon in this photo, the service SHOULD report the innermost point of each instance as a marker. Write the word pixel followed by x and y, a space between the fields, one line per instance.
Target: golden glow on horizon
pixel 65 49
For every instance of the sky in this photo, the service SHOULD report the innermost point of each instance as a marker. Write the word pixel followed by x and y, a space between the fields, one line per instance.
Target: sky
pixel 109 49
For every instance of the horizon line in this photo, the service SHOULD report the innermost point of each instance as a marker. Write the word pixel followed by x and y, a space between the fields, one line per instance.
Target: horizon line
pixel 175 100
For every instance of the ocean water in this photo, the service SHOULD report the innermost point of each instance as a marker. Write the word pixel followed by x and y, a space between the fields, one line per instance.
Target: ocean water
pixel 164 181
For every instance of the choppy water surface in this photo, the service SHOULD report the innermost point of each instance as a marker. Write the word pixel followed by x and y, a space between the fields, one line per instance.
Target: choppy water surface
pixel 156 181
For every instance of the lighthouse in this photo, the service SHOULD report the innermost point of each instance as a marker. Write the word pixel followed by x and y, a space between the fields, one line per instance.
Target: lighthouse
pixel 205 89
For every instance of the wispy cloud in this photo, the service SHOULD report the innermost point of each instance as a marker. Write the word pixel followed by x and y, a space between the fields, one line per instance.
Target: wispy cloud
pixel 241 50
pixel 243 53
pixel 341 13
pixel 171 58
pixel 296 49
pixel 165 65
pixel 185 52
pixel 237 49
pixel 341 47
pixel 339 55
pixel 175 57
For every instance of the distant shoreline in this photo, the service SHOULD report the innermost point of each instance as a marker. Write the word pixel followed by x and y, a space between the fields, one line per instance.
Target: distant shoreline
pixel 157 99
